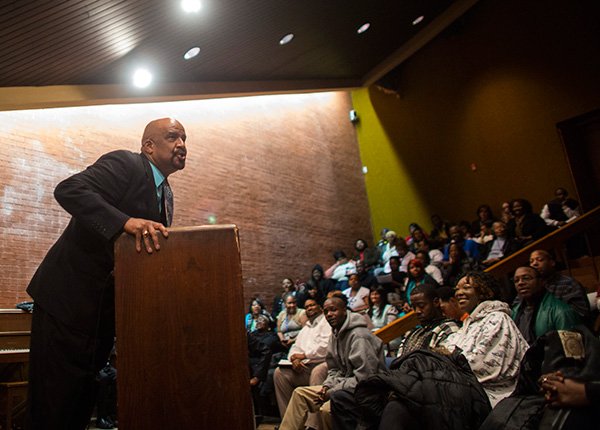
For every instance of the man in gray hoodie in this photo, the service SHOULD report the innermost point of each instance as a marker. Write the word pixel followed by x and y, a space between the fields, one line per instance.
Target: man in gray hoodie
pixel 353 353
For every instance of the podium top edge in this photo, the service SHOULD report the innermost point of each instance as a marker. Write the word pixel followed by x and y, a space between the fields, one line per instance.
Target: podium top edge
pixel 203 227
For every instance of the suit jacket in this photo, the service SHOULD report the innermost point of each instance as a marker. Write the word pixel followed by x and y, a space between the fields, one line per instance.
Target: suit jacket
pixel 74 283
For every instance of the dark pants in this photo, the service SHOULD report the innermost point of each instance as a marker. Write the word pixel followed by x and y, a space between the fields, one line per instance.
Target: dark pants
pixel 396 416
pixel 344 413
pixel 62 373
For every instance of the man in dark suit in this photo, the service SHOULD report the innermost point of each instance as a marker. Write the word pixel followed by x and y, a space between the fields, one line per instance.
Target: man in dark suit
pixel 73 289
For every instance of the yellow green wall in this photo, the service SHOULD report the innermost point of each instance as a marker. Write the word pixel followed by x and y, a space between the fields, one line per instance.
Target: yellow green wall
pixel 474 116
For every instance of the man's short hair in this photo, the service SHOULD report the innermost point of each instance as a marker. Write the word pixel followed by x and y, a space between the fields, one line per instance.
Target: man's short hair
pixel 427 290
pixel 341 297
pixel 543 252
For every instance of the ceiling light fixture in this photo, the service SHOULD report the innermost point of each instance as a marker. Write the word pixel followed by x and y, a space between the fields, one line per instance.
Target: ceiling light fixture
pixel 191 53
pixel 142 78
pixel 418 20
pixel 286 39
pixel 191 6
pixel 363 28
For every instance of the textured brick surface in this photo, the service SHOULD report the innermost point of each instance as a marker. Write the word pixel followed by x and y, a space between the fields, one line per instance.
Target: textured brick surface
pixel 285 169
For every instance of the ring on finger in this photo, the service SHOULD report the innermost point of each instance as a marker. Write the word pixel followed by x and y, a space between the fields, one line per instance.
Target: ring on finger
pixel 145 233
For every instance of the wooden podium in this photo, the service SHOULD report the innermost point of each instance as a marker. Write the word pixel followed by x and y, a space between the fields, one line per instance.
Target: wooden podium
pixel 182 355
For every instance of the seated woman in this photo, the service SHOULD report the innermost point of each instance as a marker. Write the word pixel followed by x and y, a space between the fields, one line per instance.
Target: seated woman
pixel 290 321
pixel 256 309
pixel 380 311
pixel 287 287
pixel 357 295
pixel 484 217
pixel 477 367
pixel 417 276
pixel 525 226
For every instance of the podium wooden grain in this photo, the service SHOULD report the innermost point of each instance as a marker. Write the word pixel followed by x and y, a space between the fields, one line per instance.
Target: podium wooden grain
pixel 182 357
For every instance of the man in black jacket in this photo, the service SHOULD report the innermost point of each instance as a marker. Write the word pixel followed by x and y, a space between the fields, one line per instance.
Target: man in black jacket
pixel 73 321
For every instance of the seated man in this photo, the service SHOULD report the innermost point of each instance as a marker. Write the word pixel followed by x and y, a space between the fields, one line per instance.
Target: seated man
pixel 469 246
pixel 539 311
pixel 432 331
pixel 307 357
pixel 353 353
pixel 561 210
pixel 500 247
pixel 434 328
pixel 449 304
pixel 566 288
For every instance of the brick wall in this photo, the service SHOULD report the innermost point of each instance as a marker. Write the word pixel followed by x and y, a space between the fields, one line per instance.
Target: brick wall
pixel 285 169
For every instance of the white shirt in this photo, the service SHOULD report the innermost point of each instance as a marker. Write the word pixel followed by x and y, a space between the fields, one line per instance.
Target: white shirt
pixel 359 299
pixel 312 340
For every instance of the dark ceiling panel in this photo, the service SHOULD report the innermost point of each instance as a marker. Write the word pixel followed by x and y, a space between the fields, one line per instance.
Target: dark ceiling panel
pixel 102 41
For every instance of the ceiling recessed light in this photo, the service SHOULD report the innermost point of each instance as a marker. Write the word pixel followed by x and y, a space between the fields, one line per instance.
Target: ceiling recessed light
pixel 142 78
pixel 418 20
pixel 363 28
pixel 191 53
pixel 191 6
pixel 286 39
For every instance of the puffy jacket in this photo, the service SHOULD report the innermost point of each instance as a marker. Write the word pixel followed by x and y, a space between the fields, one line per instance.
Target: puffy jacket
pixel 441 391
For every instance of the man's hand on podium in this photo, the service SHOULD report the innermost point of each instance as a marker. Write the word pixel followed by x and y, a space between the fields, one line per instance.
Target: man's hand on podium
pixel 145 231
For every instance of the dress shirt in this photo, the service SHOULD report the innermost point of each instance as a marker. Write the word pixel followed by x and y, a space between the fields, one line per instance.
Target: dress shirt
pixel 312 340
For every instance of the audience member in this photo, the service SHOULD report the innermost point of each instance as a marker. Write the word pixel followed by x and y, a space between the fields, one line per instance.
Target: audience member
pixel 484 216
pixel 389 251
pixel 434 327
pixel 416 235
pixel 558 385
pixel 430 269
pixel 262 343
pixel 433 330
pixel 353 353
pixel 501 247
pixel 318 279
pixel 525 226
pixel 416 276
pixel 366 279
pixel 506 214
pixel 393 282
pixel 489 338
pixel 439 234
pixel 457 264
pixel 339 271
pixel 561 210
pixel 457 237
pixel 381 244
pixel 465 229
pixel 430 390
pixel 449 304
pixel 287 287
pixel 539 311
pixel 256 309
pixel 380 312
pixel 290 321
pixel 306 360
pixel 310 292
pixel 484 235
pixel 405 256
pixel 356 294
pixel 369 257
pixel 564 287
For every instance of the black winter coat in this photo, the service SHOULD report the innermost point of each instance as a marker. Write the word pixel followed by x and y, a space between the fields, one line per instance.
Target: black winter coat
pixel 440 391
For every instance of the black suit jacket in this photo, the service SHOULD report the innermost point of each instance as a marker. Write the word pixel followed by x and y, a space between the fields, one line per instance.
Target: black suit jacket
pixel 74 282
